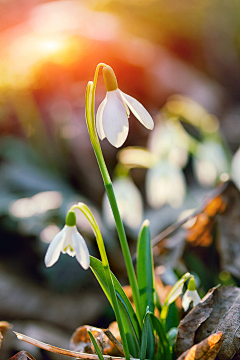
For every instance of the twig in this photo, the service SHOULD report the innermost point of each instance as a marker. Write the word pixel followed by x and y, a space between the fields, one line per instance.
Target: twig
pixel 169 230
pixel 115 342
pixel 65 352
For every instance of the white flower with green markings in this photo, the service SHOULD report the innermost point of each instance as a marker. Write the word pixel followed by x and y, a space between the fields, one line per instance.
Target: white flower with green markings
pixel 68 241
pixel 191 295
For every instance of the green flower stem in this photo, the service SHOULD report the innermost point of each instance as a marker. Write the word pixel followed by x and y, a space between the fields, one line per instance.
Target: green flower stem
pixel 86 211
pixel 125 250
pixel 90 118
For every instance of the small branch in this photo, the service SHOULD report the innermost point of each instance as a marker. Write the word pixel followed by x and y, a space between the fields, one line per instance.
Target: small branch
pixel 169 230
pixel 65 352
pixel 115 342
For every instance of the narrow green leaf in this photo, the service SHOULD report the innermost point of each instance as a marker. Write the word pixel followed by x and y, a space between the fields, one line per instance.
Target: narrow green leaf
pixel 96 347
pixel 164 348
pixel 173 294
pixel 128 315
pixel 145 269
pixel 145 330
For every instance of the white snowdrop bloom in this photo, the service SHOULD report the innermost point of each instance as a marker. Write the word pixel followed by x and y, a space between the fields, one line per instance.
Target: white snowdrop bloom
pixel 235 168
pixel 165 183
pixel 168 140
pixel 129 202
pixel 113 112
pixel 210 162
pixel 68 241
pixel 190 296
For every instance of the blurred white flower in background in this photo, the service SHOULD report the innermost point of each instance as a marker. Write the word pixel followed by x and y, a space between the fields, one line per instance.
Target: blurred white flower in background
pixel 165 183
pixel 210 162
pixel 129 202
pixel 235 169
pixel 169 141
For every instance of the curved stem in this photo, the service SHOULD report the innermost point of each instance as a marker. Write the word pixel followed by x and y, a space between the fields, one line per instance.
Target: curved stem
pixel 87 212
pixel 90 118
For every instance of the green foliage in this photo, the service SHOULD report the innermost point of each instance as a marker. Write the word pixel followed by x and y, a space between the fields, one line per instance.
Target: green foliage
pixel 96 347
pixel 145 269
pixel 128 315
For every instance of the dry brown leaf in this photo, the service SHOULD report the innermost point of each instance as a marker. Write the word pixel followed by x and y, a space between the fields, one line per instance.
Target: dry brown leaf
pixel 191 322
pixel 229 231
pixel 224 316
pixel 4 326
pixel 205 350
pixel 80 340
pixel 22 355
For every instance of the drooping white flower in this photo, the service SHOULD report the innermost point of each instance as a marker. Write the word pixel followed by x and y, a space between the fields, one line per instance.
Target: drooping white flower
pixel 210 162
pixel 113 112
pixel 188 297
pixel 191 295
pixel 165 183
pixel 68 241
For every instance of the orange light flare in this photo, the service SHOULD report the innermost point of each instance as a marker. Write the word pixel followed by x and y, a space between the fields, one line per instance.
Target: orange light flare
pixel 26 53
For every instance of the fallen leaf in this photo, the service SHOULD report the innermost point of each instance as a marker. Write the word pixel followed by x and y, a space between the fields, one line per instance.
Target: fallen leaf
pixel 229 231
pixel 4 326
pixel 80 340
pixel 223 311
pixel 205 350
pixel 191 322
pixel 22 355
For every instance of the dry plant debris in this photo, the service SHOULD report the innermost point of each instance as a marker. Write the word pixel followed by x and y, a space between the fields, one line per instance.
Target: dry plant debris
pixel 219 311
pixel 205 350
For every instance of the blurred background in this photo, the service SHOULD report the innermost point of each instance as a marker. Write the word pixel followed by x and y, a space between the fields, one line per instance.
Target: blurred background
pixel 181 61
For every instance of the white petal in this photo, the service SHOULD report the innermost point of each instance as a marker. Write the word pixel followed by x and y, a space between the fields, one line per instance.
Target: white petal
pixel 68 246
pixel 99 125
pixel 82 253
pixel 115 120
pixel 139 111
pixel 196 298
pixel 55 248
pixel 188 297
pixel 186 300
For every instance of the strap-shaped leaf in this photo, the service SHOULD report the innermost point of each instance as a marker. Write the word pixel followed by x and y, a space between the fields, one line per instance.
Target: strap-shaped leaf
pixel 145 269
pixel 128 315
pixel 96 347
pixel 164 350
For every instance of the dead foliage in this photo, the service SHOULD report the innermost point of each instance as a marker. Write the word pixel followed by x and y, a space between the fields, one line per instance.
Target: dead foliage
pixel 205 350
pixel 219 311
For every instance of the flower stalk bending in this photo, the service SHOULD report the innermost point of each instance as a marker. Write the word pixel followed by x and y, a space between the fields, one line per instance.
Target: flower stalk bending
pixel 90 118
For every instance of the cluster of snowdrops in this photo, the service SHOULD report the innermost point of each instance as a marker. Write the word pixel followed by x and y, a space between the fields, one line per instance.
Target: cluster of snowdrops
pixel 143 334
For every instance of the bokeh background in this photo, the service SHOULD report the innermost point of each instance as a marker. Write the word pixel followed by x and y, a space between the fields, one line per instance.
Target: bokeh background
pixel 181 60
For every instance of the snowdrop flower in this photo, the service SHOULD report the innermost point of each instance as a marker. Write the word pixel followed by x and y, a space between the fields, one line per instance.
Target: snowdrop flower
pixel 68 241
pixel 113 112
pixel 165 183
pixel 191 295
pixel 210 162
